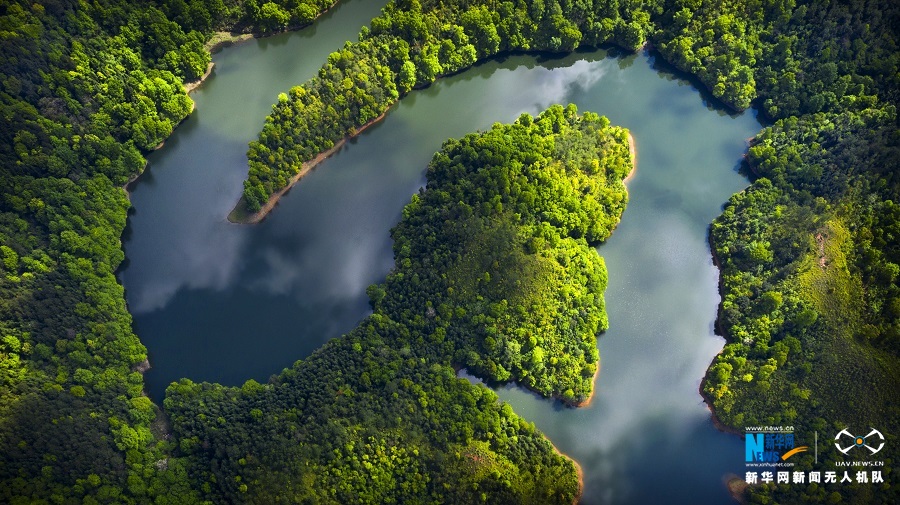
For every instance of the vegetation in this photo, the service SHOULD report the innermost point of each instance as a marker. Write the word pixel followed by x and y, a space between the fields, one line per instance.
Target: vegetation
pixel 409 46
pixel 86 88
pixel 808 254
pixel 256 16
pixel 494 272
pixel 792 59
pixel 810 287
pixel 84 96
pixel 361 421
pixel 500 258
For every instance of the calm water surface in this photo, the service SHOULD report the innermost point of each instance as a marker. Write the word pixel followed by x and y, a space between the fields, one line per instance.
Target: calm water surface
pixel 220 302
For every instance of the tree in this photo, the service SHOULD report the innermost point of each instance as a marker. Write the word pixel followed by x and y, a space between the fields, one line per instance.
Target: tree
pixel 406 78
pixel 272 17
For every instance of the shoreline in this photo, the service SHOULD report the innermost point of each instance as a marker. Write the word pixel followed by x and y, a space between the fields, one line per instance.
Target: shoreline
pixel 717 325
pixel 219 41
pixel 222 39
pixel 305 168
pixel 724 428
pixel 578 470
pixel 736 487
pixel 188 88
pixel 632 148
pixel 191 86
pixel 587 401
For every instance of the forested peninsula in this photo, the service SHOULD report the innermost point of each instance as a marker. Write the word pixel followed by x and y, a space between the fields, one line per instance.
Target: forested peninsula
pixel 494 272
pixel 809 253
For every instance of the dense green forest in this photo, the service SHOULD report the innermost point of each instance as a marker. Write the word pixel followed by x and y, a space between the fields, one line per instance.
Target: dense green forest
pixel 809 253
pixel 86 88
pixel 502 260
pixel 809 259
pixel 495 271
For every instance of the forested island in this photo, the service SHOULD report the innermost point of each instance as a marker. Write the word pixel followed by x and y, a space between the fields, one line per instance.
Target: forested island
pixel 809 253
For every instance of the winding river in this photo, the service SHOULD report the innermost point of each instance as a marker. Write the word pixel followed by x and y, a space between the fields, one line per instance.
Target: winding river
pixel 214 301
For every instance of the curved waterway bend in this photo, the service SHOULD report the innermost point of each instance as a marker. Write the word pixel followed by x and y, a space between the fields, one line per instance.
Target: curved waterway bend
pixel 219 302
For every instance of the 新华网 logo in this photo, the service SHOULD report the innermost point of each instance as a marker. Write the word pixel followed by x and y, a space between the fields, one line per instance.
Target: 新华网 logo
pixel 857 441
pixel 770 447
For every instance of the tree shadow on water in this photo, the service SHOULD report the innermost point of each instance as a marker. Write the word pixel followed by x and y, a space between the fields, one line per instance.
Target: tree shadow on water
pixel 672 73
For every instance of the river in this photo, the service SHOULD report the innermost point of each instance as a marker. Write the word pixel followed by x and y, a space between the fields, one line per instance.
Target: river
pixel 214 301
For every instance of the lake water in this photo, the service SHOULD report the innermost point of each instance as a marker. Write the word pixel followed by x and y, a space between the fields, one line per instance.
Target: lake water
pixel 220 302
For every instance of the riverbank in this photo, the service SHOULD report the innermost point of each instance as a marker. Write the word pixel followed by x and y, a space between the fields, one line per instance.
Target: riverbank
pixel 587 401
pixel 724 428
pixel 239 214
pixel 221 40
pixel 736 487
pixel 632 148
pixel 719 331
pixel 191 86
pixel 188 88
pixel 216 43
pixel 578 470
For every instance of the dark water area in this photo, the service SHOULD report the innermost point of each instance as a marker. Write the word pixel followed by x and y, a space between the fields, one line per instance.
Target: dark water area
pixel 214 301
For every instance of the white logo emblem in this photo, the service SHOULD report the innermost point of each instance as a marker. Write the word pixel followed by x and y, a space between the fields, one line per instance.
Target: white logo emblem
pixel 858 441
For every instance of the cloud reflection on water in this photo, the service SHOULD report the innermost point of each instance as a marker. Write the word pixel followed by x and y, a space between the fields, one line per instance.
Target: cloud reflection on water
pixel 557 85
pixel 208 260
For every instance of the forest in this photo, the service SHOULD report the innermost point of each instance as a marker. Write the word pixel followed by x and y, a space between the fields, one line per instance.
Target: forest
pixel 494 271
pixel 407 47
pixel 86 89
pixel 809 253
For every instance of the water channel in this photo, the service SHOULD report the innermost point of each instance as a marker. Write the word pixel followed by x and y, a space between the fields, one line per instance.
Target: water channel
pixel 219 302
